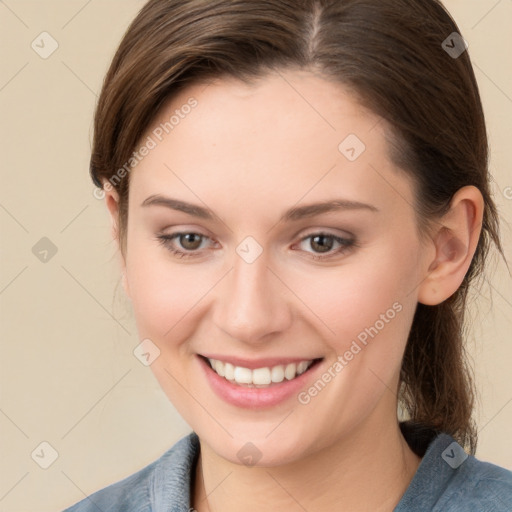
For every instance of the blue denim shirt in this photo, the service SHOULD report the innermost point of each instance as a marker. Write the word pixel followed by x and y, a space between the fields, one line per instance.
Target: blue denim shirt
pixel 447 480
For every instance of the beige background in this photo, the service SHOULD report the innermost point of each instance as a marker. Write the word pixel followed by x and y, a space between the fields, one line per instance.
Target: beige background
pixel 68 374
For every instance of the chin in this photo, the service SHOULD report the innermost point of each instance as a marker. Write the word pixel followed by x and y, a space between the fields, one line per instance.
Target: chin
pixel 260 450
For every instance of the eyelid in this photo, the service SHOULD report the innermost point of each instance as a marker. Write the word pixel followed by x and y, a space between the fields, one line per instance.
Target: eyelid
pixel 309 232
pixel 326 231
pixel 176 234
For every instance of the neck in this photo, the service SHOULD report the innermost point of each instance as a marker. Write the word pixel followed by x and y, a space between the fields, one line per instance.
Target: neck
pixel 368 470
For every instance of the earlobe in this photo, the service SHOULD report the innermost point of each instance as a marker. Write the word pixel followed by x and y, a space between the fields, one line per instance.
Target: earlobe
pixel 455 241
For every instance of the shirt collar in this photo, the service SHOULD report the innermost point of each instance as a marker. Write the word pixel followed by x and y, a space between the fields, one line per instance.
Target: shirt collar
pixel 172 482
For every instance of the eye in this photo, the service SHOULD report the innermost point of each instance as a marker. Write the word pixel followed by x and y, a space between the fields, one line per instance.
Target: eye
pixel 190 241
pixel 324 242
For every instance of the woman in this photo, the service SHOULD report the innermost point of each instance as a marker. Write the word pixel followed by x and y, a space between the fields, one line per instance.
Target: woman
pixel 301 198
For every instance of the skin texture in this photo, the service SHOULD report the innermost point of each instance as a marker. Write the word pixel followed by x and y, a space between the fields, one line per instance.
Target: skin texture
pixel 248 153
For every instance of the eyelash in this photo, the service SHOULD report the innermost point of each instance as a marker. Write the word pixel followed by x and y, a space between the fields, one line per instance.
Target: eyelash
pixel 346 244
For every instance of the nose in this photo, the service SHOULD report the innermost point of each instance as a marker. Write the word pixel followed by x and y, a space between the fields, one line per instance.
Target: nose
pixel 252 302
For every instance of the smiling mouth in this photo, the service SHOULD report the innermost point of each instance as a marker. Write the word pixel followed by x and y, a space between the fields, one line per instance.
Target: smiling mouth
pixel 260 377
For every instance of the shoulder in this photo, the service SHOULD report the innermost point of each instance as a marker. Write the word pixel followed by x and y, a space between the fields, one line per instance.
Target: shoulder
pixel 480 483
pixel 165 479
pixel 449 480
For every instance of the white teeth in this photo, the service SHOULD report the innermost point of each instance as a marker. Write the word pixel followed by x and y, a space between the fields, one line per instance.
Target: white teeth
pixel 229 370
pixel 243 375
pixel 219 368
pixel 290 371
pixel 259 377
pixel 277 373
pixel 302 367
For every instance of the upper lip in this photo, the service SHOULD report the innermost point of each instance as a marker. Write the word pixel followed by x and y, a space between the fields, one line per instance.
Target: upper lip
pixel 251 364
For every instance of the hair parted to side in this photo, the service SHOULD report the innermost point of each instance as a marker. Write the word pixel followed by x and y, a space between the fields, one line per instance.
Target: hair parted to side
pixel 389 53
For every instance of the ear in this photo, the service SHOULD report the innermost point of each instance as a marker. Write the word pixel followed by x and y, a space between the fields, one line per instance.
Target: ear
pixel 112 204
pixel 455 241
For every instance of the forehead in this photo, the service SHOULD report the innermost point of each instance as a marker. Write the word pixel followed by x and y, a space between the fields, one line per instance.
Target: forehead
pixel 287 136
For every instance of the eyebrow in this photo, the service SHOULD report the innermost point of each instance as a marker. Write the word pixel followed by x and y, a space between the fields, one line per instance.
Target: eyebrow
pixel 293 214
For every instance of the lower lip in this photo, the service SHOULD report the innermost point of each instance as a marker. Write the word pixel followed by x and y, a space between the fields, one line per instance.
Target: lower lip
pixel 256 398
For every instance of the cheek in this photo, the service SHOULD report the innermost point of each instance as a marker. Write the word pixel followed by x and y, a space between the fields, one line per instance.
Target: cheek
pixel 368 310
pixel 372 289
pixel 163 293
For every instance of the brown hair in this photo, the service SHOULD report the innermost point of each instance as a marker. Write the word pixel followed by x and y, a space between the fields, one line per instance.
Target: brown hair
pixel 390 54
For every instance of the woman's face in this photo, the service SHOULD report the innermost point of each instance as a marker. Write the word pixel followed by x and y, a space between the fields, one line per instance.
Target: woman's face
pixel 271 281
